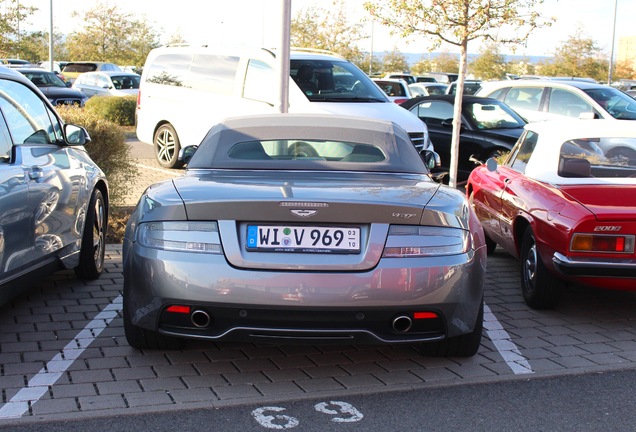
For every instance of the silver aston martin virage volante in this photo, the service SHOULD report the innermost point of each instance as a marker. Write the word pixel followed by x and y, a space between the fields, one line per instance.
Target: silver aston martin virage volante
pixel 295 228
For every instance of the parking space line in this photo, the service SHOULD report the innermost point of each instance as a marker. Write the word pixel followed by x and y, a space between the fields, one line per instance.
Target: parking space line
pixel 39 384
pixel 506 347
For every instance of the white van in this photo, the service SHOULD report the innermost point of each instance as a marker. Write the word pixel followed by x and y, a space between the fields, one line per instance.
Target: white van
pixel 185 90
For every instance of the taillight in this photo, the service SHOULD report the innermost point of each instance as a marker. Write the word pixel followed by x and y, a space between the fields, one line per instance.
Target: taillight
pixel 139 99
pixel 400 101
pixel 603 243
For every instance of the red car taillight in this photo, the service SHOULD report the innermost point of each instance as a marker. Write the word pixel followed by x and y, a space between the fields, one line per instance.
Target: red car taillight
pixel 400 101
pixel 604 243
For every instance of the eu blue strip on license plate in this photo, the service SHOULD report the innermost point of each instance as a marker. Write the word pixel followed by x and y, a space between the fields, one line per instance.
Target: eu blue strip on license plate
pixel 280 238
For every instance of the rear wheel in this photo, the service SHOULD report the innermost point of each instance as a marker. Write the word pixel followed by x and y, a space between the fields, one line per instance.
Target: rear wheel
pixel 465 345
pixel 540 289
pixel 167 146
pixel 91 262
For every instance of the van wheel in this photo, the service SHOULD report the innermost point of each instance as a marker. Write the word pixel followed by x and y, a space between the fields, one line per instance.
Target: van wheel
pixel 167 147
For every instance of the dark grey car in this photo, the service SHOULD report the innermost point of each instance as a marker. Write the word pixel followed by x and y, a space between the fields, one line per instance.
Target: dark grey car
pixel 302 227
pixel 53 198
pixel 55 90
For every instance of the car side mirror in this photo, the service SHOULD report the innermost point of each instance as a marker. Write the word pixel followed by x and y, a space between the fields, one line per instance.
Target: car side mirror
pixel 186 153
pixel 76 135
pixel 492 164
pixel 430 158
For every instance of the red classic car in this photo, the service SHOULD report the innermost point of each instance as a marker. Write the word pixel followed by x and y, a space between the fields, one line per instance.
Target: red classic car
pixel 564 202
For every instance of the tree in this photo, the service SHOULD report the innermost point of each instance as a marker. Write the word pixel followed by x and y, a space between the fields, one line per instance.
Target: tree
pixel 111 35
pixel 394 61
pixel 490 64
pixel 374 68
pixel 458 22
pixel 330 30
pixel 445 62
pixel 423 66
pixel 578 56
pixel 11 38
pixel 624 70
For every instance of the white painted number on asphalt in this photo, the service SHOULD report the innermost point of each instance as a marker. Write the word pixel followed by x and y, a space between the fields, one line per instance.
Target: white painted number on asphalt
pixel 283 421
pixel 267 421
pixel 344 408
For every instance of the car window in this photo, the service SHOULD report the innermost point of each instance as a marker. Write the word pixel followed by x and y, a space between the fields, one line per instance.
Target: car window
pixel 433 112
pixel 258 82
pixel 527 98
pixel 488 116
pixel 292 150
pixel 358 87
pixel 598 157
pixel 80 67
pixel 28 118
pixel 392 88
pixel 566 103
pixel 519 159
pixel 5 143
pixel 615 102
pixel 103 81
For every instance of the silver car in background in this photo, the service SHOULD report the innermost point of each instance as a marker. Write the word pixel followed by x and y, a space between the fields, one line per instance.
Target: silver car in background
pixel 297 227
pixel 53 197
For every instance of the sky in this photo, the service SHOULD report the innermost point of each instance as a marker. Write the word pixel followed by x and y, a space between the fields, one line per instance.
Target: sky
pixel 257 22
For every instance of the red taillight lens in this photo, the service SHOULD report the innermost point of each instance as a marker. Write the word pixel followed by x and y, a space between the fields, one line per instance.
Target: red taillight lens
pixel 400 101
pixel 602 243
pixel 178 309
pixel 425 315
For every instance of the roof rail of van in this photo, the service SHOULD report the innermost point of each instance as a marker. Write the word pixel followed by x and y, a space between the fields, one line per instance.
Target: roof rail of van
pixel 315 51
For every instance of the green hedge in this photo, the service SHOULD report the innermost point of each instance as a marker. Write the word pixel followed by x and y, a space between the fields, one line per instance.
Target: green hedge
pixel 108 148
pixel 117 109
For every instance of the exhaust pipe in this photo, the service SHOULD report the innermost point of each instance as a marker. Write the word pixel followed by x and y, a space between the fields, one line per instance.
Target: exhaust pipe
pixel 402 324
pixel 200 318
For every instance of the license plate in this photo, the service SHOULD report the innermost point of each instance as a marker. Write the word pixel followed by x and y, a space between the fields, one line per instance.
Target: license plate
pixel 280 238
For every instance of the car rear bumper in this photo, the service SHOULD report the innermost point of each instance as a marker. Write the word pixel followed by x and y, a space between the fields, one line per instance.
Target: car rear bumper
pixel 597 267
pixel 434 298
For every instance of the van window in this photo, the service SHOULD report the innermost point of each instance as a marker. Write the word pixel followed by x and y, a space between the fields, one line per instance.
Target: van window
pixel 259 80
pixel 219 82
pixel 169 69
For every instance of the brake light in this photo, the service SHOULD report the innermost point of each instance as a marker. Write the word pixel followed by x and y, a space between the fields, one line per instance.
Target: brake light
pixel 425 315
pixel 178 309
pixel 139 99
pixel 602 243
pixel 400 101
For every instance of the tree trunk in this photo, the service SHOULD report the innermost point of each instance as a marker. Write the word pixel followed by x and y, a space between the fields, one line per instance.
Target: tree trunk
pixel 457 114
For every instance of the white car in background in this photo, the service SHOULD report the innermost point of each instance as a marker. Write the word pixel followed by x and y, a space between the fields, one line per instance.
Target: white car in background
pixel 553 99
pixel 108 83
pixel 396 89
pixel 427 89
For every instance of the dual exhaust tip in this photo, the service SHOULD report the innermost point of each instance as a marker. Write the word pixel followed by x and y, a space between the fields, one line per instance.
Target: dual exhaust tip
pixel 202 319
pixel 402 324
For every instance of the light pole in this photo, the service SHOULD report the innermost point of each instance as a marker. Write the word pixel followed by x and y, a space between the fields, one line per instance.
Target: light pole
pixel 52 67
pixel 611 60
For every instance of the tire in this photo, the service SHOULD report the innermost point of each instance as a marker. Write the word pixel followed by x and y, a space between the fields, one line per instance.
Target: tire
pixel 465 345
pixel 490 245
pixel 141 338
pixel 91 261
pixel 167 147
pixel 540 289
